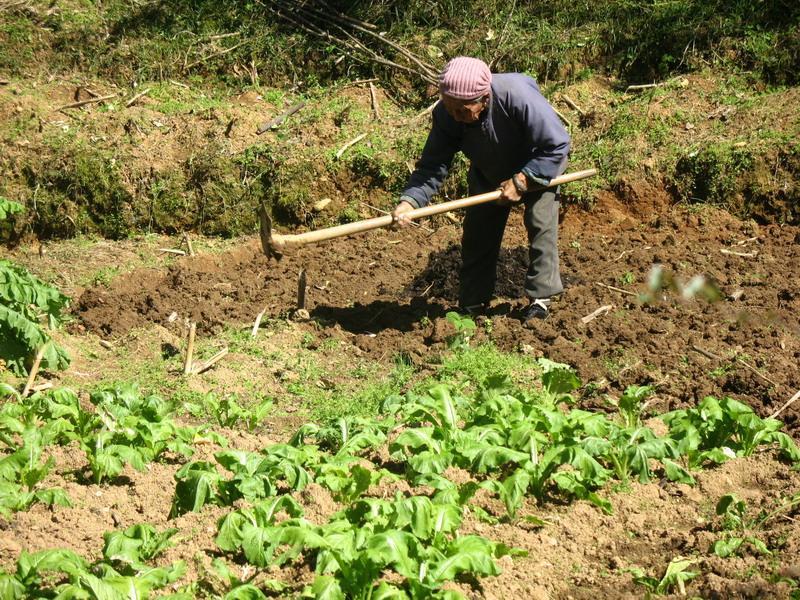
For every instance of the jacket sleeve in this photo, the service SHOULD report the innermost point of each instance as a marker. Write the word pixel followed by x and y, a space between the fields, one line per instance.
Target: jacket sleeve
pixel 434 163
pixel 548 140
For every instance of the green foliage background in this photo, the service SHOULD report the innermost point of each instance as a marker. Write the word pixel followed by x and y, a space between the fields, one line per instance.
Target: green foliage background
pixel 207 45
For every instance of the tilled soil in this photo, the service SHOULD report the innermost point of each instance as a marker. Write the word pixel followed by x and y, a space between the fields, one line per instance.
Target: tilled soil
pixel 388 293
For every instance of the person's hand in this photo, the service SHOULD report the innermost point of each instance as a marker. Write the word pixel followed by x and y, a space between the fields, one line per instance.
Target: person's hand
pixel 399 217
pixel 510 193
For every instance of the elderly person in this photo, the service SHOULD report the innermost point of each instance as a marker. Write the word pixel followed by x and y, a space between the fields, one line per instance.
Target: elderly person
pixel 515 143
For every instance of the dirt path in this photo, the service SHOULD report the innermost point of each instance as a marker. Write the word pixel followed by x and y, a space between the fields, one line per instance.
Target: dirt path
pixel 380 287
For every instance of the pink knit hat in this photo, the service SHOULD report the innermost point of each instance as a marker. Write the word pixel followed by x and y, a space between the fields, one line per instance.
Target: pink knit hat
pixel 465 78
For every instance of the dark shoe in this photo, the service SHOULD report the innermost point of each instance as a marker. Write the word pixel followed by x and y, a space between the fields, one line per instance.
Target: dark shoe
pixel 473 310
pixel 539 308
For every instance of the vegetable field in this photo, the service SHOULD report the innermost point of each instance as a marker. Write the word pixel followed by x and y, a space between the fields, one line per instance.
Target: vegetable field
pixel 385 447
pixel 182 417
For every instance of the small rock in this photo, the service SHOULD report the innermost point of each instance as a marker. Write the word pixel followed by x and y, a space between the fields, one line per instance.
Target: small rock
pixel 538 592
pixel 791 571
pixel 736 295
pixel 301 314
pixel 320 205
pixel 616 563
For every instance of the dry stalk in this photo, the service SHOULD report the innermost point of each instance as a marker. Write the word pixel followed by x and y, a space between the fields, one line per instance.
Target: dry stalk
pixel 600 311
pixel 374 99
pixel 87 101
pixel 205 366
pixel 187 363
pixel 257 323
pixel 274 123
pixel 34 369
pixel 133 100
pixel 352 142
pixel 616 289
pixel 788 403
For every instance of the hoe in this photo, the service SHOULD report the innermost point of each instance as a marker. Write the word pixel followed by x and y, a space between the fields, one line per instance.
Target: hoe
pixel 274 244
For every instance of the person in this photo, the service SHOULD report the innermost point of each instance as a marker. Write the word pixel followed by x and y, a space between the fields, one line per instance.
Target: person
pixel 517 144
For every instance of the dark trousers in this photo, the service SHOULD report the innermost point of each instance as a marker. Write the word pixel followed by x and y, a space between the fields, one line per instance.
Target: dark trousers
pixel 480 247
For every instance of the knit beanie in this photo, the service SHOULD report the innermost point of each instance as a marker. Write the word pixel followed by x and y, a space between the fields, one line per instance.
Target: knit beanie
pixel 465 78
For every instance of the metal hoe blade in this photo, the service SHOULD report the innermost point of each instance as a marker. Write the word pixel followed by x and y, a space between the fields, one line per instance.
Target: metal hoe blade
pixel 265 230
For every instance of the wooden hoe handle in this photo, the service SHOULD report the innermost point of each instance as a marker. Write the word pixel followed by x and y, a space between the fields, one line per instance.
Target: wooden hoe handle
pixel 280 241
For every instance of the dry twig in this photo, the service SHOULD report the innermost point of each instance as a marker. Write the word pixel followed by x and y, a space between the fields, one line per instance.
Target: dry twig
pixel 374 99
pixel 257 323
pixel 317 22
pixel 569 102
pixel 737 358
pixel 301 289
pixel 600 311
pixel 205 366
pixel 216 54
pixel 352 142
pixel 427 111
pixel 567 122
pixel 187 363
pixel 742 254
pixel 359 82
pixel 34 369
pixel 643 86
pixel 616 289
pixel 87 101
pixel 788 403
pixel 133 100
pixel 274 123
pixel 187 240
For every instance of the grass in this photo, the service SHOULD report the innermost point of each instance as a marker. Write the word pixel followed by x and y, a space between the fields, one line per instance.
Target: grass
pixel 475 364
pixel 95 183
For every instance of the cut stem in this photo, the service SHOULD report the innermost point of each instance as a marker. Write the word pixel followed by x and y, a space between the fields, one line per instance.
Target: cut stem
pixel 187 363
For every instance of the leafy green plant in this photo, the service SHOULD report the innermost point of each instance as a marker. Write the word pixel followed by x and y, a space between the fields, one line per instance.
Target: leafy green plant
pixel 228 413
pixel 464 329
pixel 717 430
pixel 675 576
pixel 632 403
pixel 131 428
pixel 21 473
pixel 125 427
pixel 254 476
pixel 80 579
pixel 739 530
pixel 9 207
pixel 24 301
pixel 411 536
pixel 239 589
pixel 136 545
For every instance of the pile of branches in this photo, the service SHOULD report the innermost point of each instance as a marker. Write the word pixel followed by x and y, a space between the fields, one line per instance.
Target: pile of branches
pixel 357 39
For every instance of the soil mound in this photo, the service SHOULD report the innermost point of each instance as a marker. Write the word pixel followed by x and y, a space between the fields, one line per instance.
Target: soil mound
pixel 388 292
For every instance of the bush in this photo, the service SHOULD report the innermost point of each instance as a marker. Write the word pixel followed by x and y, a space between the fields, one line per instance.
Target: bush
pixel 24 301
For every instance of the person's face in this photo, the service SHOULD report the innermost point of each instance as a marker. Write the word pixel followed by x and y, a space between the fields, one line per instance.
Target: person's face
pixel 465 111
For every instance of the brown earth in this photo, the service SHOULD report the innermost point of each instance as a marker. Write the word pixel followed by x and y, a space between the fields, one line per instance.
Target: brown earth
pixel 388 292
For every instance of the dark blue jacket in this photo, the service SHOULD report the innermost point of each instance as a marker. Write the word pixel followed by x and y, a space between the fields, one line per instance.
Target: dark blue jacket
pixel 518 131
